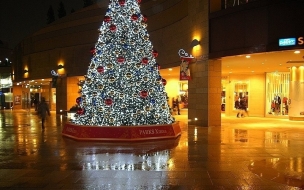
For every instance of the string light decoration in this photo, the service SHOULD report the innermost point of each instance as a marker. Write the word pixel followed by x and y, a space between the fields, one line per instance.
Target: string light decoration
pixel 123 86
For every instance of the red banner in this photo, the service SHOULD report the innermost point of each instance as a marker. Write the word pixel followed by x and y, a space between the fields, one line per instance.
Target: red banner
pixel 184 70
pixel 184 66
pixel 121 133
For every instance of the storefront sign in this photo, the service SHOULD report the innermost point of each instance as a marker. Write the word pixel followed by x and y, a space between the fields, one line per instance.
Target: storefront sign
pixel 291 41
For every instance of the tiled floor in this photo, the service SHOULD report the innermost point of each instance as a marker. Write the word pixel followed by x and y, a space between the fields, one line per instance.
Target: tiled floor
pixel 245 153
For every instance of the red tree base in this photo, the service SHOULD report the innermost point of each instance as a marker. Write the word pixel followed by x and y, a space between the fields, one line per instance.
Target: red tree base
pixel 121 133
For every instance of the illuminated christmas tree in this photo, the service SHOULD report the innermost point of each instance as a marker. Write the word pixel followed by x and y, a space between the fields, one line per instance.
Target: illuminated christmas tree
pixel 123 86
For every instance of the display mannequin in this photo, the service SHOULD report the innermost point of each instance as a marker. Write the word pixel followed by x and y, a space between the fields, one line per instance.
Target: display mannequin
pixel 277 101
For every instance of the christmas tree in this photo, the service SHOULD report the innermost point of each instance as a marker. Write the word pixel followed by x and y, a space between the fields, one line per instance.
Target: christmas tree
pixel 123 86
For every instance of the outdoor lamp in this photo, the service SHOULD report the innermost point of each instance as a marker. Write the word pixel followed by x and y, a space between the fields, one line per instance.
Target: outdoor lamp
pixel 194 42
pixel 60 66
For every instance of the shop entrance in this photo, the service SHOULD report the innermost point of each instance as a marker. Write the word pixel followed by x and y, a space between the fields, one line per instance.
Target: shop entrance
pixel 263 79
pixel 33 91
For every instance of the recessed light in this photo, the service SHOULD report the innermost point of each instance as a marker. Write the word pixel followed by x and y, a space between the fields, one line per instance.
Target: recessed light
pixel 247 56
pixel 170 69
pixel 296 52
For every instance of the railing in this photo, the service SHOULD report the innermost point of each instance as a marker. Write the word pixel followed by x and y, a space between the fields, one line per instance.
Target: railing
pixel 232 3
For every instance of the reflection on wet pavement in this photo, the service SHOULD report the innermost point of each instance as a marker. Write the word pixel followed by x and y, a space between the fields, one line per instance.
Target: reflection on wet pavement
pixel 246 153
pixel 285 171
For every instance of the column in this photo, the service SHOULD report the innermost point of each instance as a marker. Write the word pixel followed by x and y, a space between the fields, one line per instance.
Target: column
pixel 296 93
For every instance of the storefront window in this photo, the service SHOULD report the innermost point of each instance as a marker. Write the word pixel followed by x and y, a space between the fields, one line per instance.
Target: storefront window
pixel 6 95
pixel 6 82
pixel 183 93
pixel 241 91
pixel 277 93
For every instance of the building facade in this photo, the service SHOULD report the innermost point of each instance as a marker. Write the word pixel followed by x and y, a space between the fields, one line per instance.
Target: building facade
pixel 221 31
pixel 6 84
pixel 260 47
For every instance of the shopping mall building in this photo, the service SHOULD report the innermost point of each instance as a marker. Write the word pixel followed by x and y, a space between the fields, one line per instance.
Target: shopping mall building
pixel 241 49
pixel 6 94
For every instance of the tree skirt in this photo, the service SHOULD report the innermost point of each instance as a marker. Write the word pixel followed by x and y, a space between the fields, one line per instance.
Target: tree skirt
pixel 121 133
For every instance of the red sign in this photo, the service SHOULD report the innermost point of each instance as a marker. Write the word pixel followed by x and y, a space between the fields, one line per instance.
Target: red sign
pixel 184 66
pixel 184 70
pixel 121 133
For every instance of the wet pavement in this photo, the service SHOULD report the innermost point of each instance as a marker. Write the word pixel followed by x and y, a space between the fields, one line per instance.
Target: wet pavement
pixel 245 153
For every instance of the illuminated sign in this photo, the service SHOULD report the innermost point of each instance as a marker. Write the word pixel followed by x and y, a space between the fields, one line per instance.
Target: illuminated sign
pixel 287 42
pixel 291 41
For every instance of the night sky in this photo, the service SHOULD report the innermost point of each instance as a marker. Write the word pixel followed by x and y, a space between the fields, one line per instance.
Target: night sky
pixel 21 18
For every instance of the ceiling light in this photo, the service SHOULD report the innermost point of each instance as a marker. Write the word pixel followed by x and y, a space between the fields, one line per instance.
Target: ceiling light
pixel 295 61
pixel 170 69
pixel 296 52
pixel 247 56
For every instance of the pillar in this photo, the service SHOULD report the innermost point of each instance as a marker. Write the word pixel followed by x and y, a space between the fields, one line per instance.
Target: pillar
pixel 204 108
pixel 296 93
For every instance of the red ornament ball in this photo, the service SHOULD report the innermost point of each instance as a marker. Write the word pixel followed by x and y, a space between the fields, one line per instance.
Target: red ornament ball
pixel 164 81
pixel 113 27
pixel 145 60
pixel 144 94
pixel 78 100
pixel 155 53
pixel 100 69
pixel 145 18
pixel 80 111
pixel 138 1
pixel 107 19
pixel 93 50
pixel 108 101
pixel 120 59
pixel 122 2
pixel 134 17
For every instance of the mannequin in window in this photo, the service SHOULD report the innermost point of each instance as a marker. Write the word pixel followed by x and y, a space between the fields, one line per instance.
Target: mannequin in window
pixel 277 101
pixel 285 104
pixel 175 105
